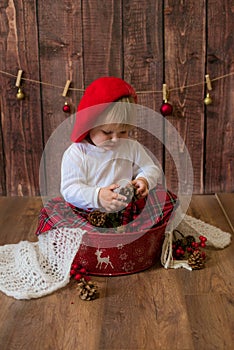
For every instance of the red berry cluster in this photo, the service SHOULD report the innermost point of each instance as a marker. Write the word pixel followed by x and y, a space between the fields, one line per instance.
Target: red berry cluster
pixel 183 248
pixel 78 272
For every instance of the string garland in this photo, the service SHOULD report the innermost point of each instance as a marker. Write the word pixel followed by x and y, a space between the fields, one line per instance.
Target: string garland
pixel 138 92
pixel 186 86
pixel 166 108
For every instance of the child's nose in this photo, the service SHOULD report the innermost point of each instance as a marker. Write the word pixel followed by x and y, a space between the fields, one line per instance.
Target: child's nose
pixel 114 137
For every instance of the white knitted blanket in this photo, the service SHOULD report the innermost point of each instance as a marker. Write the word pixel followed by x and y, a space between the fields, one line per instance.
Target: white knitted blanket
pixel 34 269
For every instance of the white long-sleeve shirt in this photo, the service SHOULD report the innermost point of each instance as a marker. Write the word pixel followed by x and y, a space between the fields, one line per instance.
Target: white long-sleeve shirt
pixel 86 168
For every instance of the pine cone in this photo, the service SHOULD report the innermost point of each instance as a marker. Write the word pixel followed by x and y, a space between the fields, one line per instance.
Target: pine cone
pixel 196 260
pixel 87 290
pixel 97 218
pixel 128 192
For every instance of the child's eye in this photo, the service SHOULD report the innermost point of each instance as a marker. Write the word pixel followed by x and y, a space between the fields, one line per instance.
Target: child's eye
pixel 106 132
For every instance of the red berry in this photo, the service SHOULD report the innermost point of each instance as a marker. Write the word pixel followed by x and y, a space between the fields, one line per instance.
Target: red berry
pixel 78 276
pixel 203 254
pixel 86 278
pixel 82 270
pixel 202 244
pixel 189 249
pixel 178 251
pixel 72 272
pixel 75 266
pixel 182 252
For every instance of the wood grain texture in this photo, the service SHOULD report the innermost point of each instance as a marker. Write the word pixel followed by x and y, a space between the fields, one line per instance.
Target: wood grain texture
pixel 227 205
pixel 25 211
pixel 102 39
pixel 21 131
pixel 140 313
pixel 61 59
pixel 154 309
pixel 209 328
pixel 143 65
pixel 220 116
pixel 184 36
pixel 144 42
pixel 3 191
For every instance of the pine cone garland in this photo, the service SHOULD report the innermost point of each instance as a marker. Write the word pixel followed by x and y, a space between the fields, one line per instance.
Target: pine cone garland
pixel 87 290
pixel 97 218
pixel 196 261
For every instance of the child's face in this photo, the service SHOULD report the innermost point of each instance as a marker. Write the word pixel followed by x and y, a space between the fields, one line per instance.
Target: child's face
pixel 108 135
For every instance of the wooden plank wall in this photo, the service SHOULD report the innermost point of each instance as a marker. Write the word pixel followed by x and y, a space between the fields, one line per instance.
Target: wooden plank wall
pixel 147 43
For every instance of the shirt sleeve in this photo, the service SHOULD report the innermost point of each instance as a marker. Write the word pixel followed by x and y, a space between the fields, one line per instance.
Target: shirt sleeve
pixel 74 187
pixel 145 167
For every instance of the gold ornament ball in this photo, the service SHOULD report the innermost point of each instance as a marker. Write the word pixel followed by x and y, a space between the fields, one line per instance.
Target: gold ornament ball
pixel 208 100
pixel 20 94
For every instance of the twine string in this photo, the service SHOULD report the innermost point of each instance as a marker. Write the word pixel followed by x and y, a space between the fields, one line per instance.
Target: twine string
pixel 138 92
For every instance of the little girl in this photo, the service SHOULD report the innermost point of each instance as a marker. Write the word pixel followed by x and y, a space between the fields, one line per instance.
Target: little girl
pixel 101 160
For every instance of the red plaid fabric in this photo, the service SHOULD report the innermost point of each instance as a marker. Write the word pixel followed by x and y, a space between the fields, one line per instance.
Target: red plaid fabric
pixel 142 214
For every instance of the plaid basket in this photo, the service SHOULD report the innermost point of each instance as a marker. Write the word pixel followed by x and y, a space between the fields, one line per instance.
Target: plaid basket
pixel 107 251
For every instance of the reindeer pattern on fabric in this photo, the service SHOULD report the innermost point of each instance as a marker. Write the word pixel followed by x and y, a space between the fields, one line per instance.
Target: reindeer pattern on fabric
pixel 101 260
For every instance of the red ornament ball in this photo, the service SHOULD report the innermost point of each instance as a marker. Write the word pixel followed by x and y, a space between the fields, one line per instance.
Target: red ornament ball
pixel 166 109
pixel 66 108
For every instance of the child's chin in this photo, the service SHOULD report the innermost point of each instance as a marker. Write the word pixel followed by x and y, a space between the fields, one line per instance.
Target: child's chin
pixel 107 147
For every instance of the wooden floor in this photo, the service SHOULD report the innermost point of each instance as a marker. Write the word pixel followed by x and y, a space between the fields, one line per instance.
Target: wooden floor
pixel 154 309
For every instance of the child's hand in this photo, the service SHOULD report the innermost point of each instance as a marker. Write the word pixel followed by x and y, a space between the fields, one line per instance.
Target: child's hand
pixel 141 185
pixel 110 200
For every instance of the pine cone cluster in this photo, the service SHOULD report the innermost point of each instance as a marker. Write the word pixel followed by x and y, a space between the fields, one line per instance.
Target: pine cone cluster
pixel 182 248
pixel 97 218
pixel 196 261
pixel 186 248
pixel 87 290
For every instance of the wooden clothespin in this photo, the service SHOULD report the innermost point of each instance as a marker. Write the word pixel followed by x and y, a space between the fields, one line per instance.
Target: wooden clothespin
pixel 208 99
pixel 66 88
pixel 66 107
pixel 165 93
pixel 208 82
pixel 20 94
pixel 18 79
